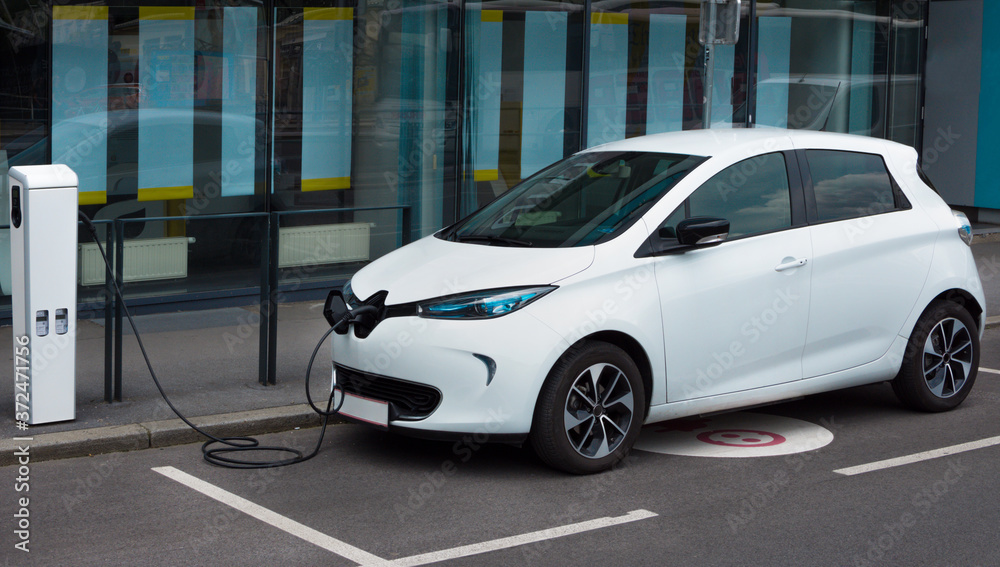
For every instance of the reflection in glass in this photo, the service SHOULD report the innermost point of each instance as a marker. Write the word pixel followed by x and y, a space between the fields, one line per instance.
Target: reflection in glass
pixel 166 110
pixel 825 65
pixel 80 93
pixel 586 199
pixel 522 92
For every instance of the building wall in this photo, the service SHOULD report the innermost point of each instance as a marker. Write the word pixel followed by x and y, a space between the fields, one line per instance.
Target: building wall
pixel 359 125
pixel 988 166
pixel 954 71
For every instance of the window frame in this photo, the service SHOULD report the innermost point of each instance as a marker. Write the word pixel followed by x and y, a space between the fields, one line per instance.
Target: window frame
pixel 796 197
pixel 900 201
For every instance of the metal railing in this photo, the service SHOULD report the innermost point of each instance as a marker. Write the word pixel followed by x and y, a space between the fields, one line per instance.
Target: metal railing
pixel 268 285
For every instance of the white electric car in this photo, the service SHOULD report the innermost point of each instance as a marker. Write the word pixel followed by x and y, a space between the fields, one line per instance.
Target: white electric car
pixel 666 276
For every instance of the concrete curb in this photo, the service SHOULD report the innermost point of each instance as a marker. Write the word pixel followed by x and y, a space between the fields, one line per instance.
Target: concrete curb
pixel 151 434
pixel 993 322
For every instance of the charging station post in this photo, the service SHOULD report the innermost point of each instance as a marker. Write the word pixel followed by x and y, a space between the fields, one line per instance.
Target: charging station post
pixel 43 242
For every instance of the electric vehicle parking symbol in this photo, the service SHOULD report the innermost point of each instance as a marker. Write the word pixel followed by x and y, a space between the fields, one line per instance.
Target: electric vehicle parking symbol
pixel 741 438
pixel 734 435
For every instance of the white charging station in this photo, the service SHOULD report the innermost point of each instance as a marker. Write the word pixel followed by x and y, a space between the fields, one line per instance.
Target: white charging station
pixel 43 254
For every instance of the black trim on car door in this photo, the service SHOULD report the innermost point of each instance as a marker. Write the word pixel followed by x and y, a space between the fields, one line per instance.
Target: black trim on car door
pixel 807 186
pixel 796 187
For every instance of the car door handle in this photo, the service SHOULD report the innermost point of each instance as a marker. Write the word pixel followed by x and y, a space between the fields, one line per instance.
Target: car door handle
pixel 789 263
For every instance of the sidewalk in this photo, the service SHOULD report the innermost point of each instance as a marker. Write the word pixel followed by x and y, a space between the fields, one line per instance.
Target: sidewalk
pixel 207 363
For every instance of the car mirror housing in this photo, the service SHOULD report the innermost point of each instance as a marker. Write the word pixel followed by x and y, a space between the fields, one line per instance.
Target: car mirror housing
pixel 698 232
pixel 702 231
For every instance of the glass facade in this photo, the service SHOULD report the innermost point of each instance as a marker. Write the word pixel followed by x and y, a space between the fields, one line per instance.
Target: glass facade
pixel 360 125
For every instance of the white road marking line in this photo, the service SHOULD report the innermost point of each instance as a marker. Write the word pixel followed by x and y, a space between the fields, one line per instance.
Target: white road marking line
pixel 273 518
pixel 361 556
pixel 990 370
pixel 917 457
pixel 523 539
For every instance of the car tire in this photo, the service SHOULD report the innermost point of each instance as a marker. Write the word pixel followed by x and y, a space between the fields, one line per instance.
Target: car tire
pixel 941 360
pixel 577 431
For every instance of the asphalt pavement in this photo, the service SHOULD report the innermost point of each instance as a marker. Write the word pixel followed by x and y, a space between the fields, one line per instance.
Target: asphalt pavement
pixel 377 499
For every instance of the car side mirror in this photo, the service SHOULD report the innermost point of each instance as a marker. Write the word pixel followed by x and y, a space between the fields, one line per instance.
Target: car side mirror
pixel 702 231
pixel 698 232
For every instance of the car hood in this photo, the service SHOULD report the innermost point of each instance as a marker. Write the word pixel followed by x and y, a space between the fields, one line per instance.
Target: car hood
pixel 431 267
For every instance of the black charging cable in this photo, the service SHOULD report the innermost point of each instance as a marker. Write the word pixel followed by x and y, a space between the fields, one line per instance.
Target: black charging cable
pixel 220 455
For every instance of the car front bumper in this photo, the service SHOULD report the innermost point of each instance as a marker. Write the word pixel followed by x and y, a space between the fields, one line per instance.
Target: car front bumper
pixel 445 378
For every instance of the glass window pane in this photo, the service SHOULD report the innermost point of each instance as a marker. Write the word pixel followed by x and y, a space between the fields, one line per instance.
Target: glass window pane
pixel 522 89
pixel 80 96
pixel 849 184
pixel 753 195
pixel 648 72
pixel 158 109
pixel 526 82
pixel 583 200
pixel 822 64
pixel 906 98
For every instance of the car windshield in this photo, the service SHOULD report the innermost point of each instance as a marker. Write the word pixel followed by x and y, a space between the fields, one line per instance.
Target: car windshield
pixel 585 199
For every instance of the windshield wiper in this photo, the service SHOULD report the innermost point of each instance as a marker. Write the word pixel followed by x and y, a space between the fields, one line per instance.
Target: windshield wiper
pixel 493 240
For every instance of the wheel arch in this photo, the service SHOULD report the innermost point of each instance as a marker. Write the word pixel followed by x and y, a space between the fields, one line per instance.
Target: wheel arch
pixel 962 298
pixel 633 349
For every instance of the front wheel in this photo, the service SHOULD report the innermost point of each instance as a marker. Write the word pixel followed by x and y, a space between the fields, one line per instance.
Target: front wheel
pixel 590 409
pixel 941 361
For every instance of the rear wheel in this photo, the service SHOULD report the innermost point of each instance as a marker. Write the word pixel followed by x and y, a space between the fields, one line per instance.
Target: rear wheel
pixel 941 361
pixel 590 409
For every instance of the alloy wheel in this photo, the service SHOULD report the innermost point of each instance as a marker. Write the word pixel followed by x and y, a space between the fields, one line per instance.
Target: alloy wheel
pixel 598 410
pixel 947 358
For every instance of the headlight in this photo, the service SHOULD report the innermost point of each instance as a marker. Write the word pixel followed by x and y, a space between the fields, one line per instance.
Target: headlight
pixel 481 304
pixel 349 298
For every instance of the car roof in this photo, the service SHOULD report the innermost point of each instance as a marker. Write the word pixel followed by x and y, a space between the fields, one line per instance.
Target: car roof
pixel 747 141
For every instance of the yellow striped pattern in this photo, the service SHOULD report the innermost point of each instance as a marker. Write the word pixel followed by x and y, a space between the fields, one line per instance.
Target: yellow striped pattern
pixel 166 12
pixel 79 12
pixel 326 183
pixel 161 193
pixel 93 197
pixel 328 13
pixel 608 18
pixel 486 175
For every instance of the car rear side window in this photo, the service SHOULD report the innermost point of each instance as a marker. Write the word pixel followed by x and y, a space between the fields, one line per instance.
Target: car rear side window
pixel 850 185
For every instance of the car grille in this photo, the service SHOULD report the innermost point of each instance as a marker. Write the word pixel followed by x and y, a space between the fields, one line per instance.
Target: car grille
pixel 408 400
